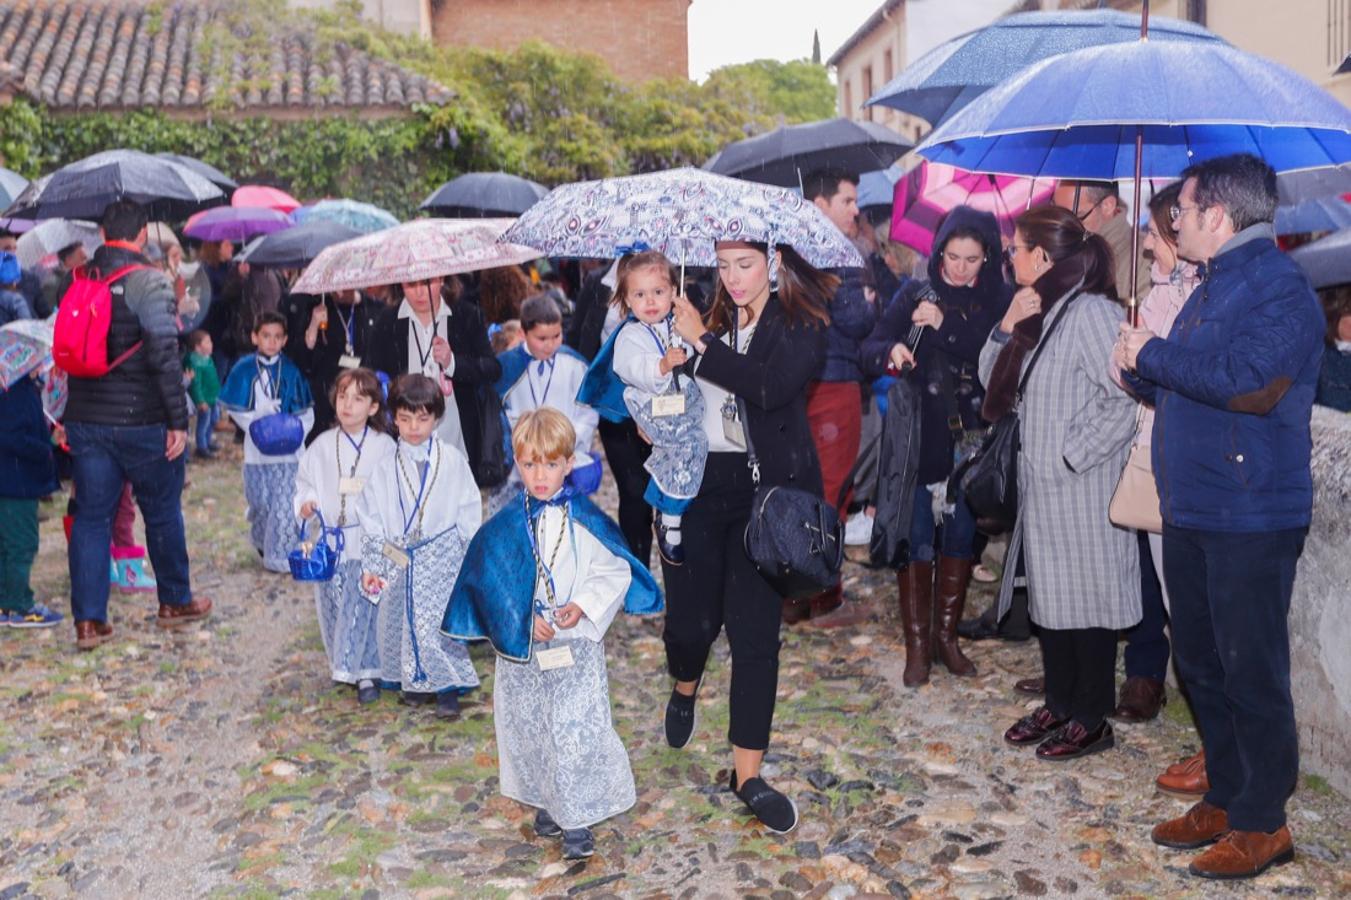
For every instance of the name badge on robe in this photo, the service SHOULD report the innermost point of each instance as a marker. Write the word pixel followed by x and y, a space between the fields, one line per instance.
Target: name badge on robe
pixel 733 432
pixel 554 658
pixel 668 405
pixel 348 361
pixel 396 554
pixel 350 486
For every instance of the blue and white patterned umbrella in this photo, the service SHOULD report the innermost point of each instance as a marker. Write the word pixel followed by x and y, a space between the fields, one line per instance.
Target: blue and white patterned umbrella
pixel 682 213
pixel 366 218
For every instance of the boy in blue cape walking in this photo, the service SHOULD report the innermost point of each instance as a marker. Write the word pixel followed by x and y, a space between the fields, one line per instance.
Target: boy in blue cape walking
pixel 542 581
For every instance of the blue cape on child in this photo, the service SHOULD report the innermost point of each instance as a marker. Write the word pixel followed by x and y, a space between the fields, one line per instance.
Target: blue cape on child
pixel 494 595
pixel 516 360
pixel 602 389
pixel 292 389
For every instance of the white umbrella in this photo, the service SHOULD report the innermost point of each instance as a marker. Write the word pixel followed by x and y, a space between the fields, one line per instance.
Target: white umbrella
pixel 51 235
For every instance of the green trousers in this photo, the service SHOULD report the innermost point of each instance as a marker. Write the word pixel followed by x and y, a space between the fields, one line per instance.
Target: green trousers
pixel 18 549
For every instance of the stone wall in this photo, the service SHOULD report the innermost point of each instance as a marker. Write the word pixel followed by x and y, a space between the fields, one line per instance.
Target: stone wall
pixel 1320 614
pixel 639 39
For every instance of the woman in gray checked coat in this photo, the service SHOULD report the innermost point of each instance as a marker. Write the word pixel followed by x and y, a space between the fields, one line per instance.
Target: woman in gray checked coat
pixel 1083 573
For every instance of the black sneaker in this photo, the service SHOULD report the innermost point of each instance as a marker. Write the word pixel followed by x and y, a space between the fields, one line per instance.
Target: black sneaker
pixel 672 554
pixel 545 826
pixel 775 811
pixel 367 692
pixel 680 718
pixel 448 705
pixel 578 843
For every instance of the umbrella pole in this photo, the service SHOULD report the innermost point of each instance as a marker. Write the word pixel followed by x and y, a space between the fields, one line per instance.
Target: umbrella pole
pixel 1133 304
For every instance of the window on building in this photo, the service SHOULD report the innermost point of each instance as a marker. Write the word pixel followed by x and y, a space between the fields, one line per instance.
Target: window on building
pixel 888 67
pixel 867 91
pixel 848 99
pixel 1339 31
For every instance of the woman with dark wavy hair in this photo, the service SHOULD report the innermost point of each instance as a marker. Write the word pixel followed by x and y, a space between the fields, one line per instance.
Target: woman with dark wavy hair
pixel 762 342
pixel 1076 425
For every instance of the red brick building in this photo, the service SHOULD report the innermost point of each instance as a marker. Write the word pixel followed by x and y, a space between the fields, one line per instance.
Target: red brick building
pixel 640 39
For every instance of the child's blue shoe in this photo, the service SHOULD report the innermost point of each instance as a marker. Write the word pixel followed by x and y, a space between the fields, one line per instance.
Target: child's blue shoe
pixel 39 616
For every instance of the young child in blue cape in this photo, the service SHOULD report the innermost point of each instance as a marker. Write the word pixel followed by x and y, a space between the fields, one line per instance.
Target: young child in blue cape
pixel 417 515
pixel 542 581
pixel 635 374
pixel 266 384
pixel 541 372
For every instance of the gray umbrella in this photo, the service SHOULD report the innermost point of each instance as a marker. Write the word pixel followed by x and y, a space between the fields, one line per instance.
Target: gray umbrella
pixel 206 170
pixel 786 154
pixel 83 189
pixel 297 247
pixel 484 195
pixel 11 186
pixel 1327 261
pixel 1293 188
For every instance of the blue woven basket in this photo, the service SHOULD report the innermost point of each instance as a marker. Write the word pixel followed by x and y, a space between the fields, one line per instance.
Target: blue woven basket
pixel 317 560
pixel 279 434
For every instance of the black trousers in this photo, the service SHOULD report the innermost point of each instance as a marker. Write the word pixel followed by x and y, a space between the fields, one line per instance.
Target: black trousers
pixel 718 586
pixel 626 452
pixel 1230 595
pixel 1147 646
pixel 1080 669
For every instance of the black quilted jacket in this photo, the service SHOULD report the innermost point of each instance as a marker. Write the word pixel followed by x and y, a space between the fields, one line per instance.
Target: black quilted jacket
pixel 146 389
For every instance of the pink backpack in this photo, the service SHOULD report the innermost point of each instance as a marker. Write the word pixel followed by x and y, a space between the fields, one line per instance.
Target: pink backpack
pixel 80 340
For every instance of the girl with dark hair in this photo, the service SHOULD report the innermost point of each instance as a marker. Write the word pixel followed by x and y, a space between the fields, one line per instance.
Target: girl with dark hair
pixel 963 299
pixel 762 346
pixel 1076 424
pixel 501 291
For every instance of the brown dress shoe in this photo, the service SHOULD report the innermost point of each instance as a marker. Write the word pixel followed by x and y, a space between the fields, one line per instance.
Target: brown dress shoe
pixel 796 610
pixel 174 616
pixel 1141 699
pixel 1033 729
pixel 1202 824
pixel 949 599
pixel 1186 778
pixel 1245 854
pixel 847 614
pixel 916 585
pixel 89 634
pixel 1036 686
pixel 1074 741
pixel 827 601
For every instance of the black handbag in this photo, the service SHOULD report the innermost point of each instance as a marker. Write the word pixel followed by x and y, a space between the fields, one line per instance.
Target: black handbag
pixel 794 537
pixel 990 476
pixel 493 465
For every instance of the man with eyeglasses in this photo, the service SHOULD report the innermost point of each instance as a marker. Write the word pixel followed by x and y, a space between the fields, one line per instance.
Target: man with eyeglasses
pixel 1232 386
pixel 1099 207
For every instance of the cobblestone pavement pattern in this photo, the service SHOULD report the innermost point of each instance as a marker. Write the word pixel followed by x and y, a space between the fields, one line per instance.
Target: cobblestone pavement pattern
pixel 222 762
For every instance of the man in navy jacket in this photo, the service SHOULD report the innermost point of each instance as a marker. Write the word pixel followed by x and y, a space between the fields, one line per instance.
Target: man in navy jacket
pixel 1233 386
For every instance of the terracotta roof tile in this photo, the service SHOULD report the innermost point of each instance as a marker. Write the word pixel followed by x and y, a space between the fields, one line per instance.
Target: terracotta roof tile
pixel 84 54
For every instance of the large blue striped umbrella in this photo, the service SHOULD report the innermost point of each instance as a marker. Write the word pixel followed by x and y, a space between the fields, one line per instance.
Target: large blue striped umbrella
pixel 954 73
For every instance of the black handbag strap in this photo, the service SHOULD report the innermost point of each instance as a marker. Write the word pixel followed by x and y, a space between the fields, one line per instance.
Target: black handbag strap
pixel 1041 345
pixel 752 461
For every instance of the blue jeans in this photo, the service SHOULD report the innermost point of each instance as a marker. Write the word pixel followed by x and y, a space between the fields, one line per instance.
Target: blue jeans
pixel 959 528
pixel 1147 644
pixel 105 456
pixel 206 424
pixel 1230 594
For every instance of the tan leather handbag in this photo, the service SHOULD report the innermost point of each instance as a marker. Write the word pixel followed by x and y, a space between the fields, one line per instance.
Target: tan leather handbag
pixel 1135 502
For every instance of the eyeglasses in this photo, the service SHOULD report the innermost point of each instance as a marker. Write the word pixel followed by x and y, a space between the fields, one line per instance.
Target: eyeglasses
pixel 1013 250
pixel 1175 213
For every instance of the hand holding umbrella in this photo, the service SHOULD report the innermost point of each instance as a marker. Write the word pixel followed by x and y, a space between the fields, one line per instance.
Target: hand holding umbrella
pixel 689 324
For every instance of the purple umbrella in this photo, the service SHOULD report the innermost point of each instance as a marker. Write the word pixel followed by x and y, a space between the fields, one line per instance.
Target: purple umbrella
pixel 236 223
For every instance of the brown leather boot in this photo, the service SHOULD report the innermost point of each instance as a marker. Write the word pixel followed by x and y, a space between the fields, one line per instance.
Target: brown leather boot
pixel 916 602
pixel 953 577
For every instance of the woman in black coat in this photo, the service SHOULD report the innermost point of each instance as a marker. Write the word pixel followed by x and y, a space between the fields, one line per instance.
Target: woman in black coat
pixel 326 335
pixel 765 346
pixel 473 366
pixel 964 298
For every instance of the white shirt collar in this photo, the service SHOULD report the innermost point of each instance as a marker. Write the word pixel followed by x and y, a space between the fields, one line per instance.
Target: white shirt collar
pixel 406 311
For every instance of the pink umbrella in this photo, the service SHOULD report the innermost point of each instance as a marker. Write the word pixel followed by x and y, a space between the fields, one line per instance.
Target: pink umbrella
pixel 258 195
pixel 414 251
pixel 930 190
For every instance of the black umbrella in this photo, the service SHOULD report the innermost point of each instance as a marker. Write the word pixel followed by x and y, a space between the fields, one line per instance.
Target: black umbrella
pixel 83 189
pixel 786 154
pixel 1327 261
pixel 484 195
pixel 296 247
pixel 206 170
